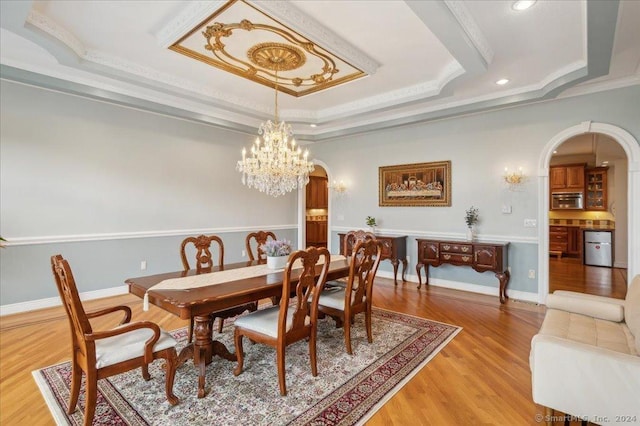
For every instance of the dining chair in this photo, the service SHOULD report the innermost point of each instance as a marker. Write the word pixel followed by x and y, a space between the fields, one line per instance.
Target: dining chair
pixel 257 239
pixel 280 326
pixel 204 263
pixel 348 244
pixel 343 304
pixel 105 353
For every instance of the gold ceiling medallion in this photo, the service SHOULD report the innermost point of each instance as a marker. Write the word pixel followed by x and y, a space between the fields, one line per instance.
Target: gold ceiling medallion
pixel 276 56
pixel 243 40
pixel 270 56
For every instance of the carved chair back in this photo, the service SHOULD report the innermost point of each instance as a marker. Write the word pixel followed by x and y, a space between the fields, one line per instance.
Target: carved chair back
pixel 203 256
pixel 307 290
pixel 364 264
pixel 257 239
pixel 353 237
pixel 78 320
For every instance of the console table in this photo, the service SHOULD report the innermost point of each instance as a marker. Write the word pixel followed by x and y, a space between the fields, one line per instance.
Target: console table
pixel 481 257
pixel 393 248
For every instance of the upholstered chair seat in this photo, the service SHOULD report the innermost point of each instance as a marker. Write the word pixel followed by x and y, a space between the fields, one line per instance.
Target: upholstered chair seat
pixel 335 298
pixel 266 321
pixel 116 349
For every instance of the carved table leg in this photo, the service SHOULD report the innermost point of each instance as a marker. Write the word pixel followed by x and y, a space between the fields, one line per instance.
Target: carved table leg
pixel 202 348
pixel 504 280
pixel 418 267
pixel 395 263
pixel 404 269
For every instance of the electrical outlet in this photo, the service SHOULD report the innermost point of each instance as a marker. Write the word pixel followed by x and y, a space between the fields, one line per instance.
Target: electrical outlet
pixel 530 223
pixel 244 253
pixel 143 265
pixel 509 269
pixel 408 260
pixel 506 209
pixel 532 274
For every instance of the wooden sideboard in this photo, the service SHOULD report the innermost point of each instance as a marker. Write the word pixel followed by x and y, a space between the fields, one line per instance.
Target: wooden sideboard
pixel 393 248
pixel 481 257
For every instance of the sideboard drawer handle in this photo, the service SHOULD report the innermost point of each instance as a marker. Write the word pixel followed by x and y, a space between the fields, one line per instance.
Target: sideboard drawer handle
pixel 446 256
pixel 466 258
pixel 465 249
pixel 446 246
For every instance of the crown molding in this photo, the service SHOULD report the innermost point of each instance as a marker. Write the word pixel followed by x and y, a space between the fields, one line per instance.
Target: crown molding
pixel 471 29
pixel 50 27
pixel 185 21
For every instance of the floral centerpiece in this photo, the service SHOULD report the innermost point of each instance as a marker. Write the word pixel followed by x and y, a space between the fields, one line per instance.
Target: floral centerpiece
pixel 471 218
pixel 277 252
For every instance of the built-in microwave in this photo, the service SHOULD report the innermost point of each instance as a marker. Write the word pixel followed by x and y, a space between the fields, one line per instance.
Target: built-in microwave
pixel 566 200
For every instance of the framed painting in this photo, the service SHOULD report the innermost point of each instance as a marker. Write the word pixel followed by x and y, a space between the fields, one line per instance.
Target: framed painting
pixel 415 185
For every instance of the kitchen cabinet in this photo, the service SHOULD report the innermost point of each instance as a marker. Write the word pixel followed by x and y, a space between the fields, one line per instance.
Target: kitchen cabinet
pixel 568 177
pixel 317 233
pixel 596 190
pixel 565 239
pixel 317 193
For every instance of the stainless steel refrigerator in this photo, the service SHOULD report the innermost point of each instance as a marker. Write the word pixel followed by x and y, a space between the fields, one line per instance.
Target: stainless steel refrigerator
pixel 598 248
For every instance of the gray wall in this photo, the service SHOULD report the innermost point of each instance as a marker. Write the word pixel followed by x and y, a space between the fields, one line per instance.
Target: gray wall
pixel 108 186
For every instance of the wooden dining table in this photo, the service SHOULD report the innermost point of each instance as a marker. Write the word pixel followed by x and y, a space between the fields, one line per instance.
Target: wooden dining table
pixel 198 303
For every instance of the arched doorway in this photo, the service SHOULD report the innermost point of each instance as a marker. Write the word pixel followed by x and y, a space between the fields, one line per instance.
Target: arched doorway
pixel 315 218
pixel 632 150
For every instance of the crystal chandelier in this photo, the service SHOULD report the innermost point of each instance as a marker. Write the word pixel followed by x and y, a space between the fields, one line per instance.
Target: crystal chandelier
pixel 275 166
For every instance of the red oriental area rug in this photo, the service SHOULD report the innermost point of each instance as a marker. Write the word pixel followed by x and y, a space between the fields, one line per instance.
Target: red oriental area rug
pixel 347 390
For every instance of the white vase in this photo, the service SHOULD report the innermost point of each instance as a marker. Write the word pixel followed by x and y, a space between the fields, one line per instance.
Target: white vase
pixel 372 229
pixel 471 233
pixel 277 262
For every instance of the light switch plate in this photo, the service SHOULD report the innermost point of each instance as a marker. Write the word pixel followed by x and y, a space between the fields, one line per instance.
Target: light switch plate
pixel 530 223
pixel 506 209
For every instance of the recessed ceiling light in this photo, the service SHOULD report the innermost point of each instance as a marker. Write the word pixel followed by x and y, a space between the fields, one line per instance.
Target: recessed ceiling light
pixel 313 125
pixel 502 81
pixel 523 4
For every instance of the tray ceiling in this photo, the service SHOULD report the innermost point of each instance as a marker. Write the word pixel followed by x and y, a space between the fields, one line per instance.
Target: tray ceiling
pixel 355 66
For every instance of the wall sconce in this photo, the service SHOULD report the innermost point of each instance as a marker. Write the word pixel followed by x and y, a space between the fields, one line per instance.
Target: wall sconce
pixel 338 187
pixel 514 179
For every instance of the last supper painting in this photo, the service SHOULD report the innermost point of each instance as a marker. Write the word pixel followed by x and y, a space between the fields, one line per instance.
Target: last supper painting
pixel 415 185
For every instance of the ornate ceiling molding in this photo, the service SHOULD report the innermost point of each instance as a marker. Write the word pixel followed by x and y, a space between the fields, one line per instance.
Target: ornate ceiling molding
pixel 181 24
pixel 49 26
pixel 470 27
pixel 306 25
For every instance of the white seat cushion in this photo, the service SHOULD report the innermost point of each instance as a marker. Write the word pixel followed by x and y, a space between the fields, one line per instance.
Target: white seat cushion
pixel 265 321
pixel 332 298
pixel 113 350
pixel 588 330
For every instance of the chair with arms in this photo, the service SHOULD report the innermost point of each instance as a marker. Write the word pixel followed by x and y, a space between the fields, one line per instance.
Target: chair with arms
pixel 204 264
pixel 258 239
pixel 279 326
pixel 343 304
pixel 102 354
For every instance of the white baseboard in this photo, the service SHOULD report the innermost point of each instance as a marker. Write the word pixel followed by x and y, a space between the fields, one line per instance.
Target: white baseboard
pixel 472 288
pixel 50 302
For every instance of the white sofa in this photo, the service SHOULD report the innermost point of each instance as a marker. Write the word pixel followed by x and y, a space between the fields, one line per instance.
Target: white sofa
pixel 585 359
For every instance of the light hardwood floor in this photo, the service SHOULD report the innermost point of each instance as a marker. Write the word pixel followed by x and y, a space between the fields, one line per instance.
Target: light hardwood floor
pixel 481 377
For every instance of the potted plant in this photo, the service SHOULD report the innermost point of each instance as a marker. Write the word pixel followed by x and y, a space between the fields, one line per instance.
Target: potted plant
pixel 371 222
pixel 277 252
pixel 471 218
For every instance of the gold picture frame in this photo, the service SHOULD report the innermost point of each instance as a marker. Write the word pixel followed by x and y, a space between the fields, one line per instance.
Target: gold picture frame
pixel 415 185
